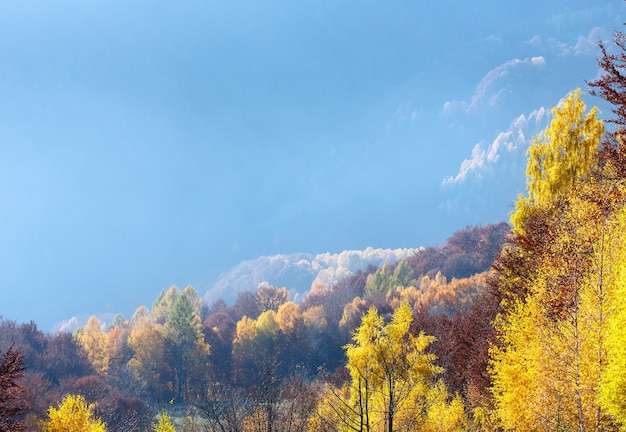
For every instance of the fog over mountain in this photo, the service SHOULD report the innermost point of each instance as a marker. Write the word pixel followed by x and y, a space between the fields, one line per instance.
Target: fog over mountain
pixel 298 271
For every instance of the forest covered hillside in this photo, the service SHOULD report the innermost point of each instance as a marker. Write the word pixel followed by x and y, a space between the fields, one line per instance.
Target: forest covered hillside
pixel 180 348
pixel 467 252
pixel 298 271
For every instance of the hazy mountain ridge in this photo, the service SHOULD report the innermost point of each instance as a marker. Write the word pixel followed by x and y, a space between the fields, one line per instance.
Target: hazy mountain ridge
pixel 295 271
pixel 467 252
pixel 298 271
pixel 430 280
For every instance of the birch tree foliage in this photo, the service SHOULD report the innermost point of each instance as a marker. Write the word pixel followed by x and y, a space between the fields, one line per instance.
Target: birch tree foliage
pixel 559 157
pixel 392 378
pixel 94 340
pixel 163 424
pixel 553 348
pixel 515 366
pixel 72 415
pixel 147 342
pixel 613 380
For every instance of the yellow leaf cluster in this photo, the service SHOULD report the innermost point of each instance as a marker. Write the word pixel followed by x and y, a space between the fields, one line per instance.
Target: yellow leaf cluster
pixel 561 156
pixel 392 381
pixel 163 424
pixel 72 415
pixel 559 361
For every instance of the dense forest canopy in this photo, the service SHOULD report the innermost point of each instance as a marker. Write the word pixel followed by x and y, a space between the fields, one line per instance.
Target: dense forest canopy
pixel 263 347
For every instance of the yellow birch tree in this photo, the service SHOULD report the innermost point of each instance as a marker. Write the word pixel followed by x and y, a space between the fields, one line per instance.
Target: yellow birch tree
pixel 72 415
pixel 613 379
pixel 392 380
pixel 549 367
pixel 560 156
pixel 93 338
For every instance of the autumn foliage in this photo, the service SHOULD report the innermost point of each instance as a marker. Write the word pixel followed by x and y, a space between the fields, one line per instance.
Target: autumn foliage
pixel 560 279
pixel 72 415
pixel 13 404
pixel 264 361
pixel 503 327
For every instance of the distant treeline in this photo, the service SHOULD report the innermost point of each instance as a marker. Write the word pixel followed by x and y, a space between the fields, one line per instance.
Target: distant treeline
pixel 179 350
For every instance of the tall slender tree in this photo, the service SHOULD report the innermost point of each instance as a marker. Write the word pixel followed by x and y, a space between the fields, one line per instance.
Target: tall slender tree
pixel 94 341
pixel 559 157
pixel 186 346
pixel 557 281
pixel 392 380
pixel 148 364
pixel 613 380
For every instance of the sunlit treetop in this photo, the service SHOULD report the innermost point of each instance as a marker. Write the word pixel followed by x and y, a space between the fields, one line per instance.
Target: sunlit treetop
pixel 561 156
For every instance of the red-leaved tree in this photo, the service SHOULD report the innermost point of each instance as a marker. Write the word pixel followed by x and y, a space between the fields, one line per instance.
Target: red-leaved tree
pixel 12 401
pixel 611 86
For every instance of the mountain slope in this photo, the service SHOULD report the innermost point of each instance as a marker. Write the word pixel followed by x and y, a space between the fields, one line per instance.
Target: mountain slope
pixel 298 271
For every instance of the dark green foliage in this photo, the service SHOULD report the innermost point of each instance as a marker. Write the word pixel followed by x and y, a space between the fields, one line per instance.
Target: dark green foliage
pixel 382 281
pixel 181 327
pixel 403 274
pixel 164 304
pixel 188 353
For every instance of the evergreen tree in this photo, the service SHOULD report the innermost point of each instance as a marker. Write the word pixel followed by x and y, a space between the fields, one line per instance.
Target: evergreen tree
pixel 403 274
pixel 186 347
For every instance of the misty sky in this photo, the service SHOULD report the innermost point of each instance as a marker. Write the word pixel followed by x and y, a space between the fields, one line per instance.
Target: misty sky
pixel 149 143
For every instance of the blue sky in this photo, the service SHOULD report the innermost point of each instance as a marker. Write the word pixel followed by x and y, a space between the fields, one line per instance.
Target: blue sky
pixel 145 144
